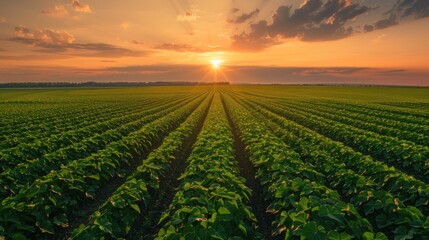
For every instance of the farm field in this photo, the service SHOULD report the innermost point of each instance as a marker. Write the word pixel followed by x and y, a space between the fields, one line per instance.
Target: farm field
pixel 214 162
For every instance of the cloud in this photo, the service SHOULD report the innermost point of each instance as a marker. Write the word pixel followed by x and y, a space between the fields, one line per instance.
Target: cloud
pixel 328 71
pixel 27 57
pixel 401 11
pixel 382 24
pixel 395 71
pixel 137 42
pixel 62 42
pixel 314 20
pixel 2 50
pixel 91 50
pixel 244 17
pixel 3 20
pixel 412 8
pixel 80 7
pixel 379 38
pixel 45 36
pixel 21 31
pixel 56 11
pixel 234 10
pixel 327 75
pixel 234 74
pixel 185 48
pixel 253 41
pixel 187 16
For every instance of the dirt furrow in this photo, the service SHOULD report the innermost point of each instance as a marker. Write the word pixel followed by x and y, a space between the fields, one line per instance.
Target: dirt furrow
pixel 146 226
pixel 248 171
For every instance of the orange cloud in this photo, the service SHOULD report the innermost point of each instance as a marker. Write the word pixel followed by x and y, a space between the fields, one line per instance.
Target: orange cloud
pixel 56 11
pixel 379 39
pixel 243 17
pixel 185 48
pixel 45 36
pixel 187 17
pixel 81 7
pixel 137 42
pixel 62 42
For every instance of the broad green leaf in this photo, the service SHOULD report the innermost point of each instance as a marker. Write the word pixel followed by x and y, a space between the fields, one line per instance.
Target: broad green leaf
pixel 223 211
pixel 17 236
pixel 313 232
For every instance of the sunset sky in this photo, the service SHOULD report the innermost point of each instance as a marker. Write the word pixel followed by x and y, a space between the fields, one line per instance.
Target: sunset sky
pixel 257 41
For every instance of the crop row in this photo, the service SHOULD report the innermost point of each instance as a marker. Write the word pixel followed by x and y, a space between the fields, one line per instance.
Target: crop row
pixel 401 111
pixel 384 211
pixel 406 116
pixel 25 152
pixel 384 112
pixel 25 138
pixel 25 173
pixel 350 110
pixel 39 131
pixel 117 215
pixel 212 201
pixel 45 206
pixel 19 116
pixel 414 105
pixel 300 203
pixel 408 156
pixel 365 124
pixel 405 187
pixel 68 117
pixel 34 120
pixel 22 112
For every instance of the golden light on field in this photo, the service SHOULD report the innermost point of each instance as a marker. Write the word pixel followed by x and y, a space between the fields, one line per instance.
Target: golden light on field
pixel 216 63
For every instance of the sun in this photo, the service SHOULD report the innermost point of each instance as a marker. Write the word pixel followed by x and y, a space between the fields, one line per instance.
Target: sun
pixel 216 63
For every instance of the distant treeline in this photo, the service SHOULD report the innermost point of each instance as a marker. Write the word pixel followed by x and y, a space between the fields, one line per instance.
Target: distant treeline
pixel 103 84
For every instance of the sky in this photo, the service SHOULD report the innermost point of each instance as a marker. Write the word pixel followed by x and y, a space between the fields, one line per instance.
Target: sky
pixel 256 41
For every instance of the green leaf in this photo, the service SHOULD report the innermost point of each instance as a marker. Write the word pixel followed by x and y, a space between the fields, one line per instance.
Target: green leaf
pixel 61 220
pixel 330 212
pixel 312 231
pixel 224 214
pixel 223 211
pixel 171 230
pixel 368 236
pixel 187 186
pixel 214 236
pixel 402 233
pixel 17 236
pixel 303 203
pixel 53 200
pixel 382 221
pixel 242 228
pixel 135 207
pixel 380 236
pixel 46 227
pixel 104 224
pixel 334 235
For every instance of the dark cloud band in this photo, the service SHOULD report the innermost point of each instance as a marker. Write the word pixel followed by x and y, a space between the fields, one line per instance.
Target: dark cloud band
pixel 318 20
pixel 61 42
